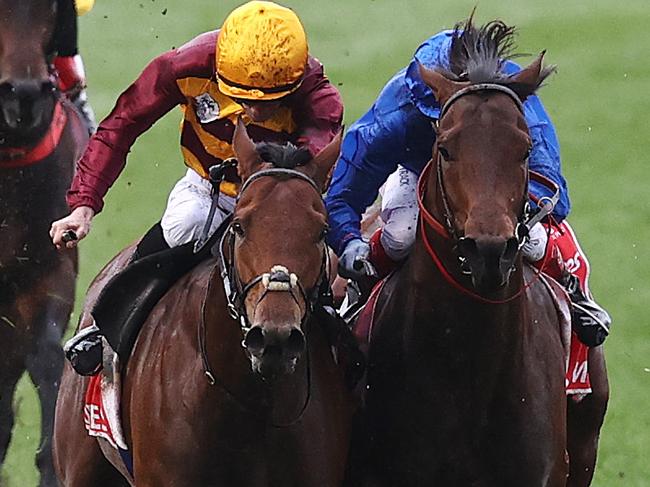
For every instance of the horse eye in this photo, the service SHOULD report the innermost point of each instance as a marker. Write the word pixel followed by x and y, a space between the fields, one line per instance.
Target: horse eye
pixel 237 228
pixel 527 155
pixel 444 153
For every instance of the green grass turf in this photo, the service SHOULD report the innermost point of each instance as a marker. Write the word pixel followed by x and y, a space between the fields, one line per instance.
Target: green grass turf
pixel 598 100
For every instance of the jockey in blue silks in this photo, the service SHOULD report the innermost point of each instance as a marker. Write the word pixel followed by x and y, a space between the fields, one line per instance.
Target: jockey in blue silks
pixel 391 144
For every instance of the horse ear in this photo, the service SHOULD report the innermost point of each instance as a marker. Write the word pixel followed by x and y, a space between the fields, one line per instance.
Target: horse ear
pixel 441 86
pixel 526 81
pixel 247 157
pixel 321 165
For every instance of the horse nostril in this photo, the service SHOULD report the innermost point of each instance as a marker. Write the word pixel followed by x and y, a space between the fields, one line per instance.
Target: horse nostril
pixel 254 340
pixel 48 87
pixel 467 246
pixel 7 88
pixel 510 252
pixel 295 343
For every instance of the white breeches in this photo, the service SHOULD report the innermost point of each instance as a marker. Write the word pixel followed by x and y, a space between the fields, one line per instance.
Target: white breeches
pixel 188 207
pixel 399 212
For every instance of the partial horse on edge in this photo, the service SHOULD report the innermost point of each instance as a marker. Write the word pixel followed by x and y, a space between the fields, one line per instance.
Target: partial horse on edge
pixel 41 137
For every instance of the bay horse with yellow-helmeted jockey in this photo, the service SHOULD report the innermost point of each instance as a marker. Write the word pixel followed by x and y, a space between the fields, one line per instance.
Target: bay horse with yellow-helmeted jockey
pixel 257 69
pixel 466 380
pixel 196 407
pixel 41 136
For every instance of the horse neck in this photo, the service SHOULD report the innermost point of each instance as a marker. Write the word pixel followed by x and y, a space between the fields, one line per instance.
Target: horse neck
pixel 461 308
pixel 281 400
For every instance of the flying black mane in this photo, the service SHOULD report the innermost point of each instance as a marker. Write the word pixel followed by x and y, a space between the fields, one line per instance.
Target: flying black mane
pixel 477 54
pixel 285 156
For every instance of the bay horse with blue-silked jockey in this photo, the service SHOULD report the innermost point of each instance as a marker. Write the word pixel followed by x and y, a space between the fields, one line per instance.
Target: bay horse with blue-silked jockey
pixel 197 408
pixel 467 357
pixel 41 136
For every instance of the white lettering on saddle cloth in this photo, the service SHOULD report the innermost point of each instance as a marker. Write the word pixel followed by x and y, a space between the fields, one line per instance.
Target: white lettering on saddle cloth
pixel 102 401
pixel 577 376
pixel 580 372
pixel 573 264
pixel 96 423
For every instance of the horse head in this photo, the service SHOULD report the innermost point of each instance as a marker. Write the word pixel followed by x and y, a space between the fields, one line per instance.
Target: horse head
pixel 277 247
pixel 27 92
pixel 481 157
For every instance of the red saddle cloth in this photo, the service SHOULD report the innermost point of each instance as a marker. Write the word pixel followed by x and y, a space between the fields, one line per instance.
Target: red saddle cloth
pixel 577 373
pixel 95 418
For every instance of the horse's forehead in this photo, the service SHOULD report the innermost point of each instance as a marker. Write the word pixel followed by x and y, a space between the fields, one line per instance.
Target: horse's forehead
pixel 487 105
pixel 279 197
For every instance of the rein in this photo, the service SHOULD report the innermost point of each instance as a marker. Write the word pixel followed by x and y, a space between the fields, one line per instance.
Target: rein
pixel 448 232
pixel 15 157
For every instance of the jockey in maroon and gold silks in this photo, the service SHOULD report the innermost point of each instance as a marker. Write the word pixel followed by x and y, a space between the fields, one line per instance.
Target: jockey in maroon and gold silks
pixel 309 116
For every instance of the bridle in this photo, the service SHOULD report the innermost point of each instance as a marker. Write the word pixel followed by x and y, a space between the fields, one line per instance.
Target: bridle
pixel 279 278
pixel 526 218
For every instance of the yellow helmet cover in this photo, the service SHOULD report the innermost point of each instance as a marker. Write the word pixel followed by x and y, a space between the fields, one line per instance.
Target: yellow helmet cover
pixel 261 52
pixel 84 6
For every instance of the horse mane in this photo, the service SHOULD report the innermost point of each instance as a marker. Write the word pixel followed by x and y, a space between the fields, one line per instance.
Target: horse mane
pixel 477 55
pixel 285 156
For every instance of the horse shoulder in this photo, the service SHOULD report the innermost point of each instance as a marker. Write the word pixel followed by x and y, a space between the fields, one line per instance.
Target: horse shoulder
pixel 549 304
pixel 174 320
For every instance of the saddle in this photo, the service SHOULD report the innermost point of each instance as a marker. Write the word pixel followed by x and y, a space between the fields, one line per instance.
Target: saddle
pixel 127 299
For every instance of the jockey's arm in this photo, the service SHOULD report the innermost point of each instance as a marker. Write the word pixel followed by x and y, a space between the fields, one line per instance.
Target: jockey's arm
pixel 320 112
pixel 545 152
pixel 371 150
pixel 152 95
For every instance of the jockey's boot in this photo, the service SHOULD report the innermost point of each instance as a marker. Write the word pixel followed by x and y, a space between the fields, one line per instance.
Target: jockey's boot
pixel 72 82
pixel 84 350
pixel 588 319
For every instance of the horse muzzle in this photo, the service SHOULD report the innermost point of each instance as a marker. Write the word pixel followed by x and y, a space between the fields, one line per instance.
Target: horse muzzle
pixel 26 105
pixel 489 260
pixel 274 350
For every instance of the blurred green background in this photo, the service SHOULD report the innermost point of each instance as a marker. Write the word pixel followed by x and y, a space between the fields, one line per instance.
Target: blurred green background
pixel 599 100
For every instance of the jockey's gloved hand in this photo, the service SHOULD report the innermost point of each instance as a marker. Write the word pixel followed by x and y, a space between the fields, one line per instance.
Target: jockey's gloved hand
pixel 351 262
pixel 535 246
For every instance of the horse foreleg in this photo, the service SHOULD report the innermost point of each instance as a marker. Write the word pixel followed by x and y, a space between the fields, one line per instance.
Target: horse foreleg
pixel 49 311
pixel 9 377
pixel 585 419
pixel 44 366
